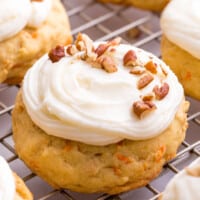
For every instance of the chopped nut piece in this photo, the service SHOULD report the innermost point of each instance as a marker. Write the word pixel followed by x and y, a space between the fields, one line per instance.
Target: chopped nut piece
pixel 71 50
pixel 101 49
pixel 162 91
pixel 143 107
pixel 114 42
pixel 107 63
pixel 193 171
pixel 83 42
pixel 163 70
pixel 130 58
pixel 148 97
pixel 151 66
pixel 144 81
pixel 57 53
pixel 138 70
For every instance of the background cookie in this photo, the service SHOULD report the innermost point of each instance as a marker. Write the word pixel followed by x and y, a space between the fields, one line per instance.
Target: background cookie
pixel 184 65
pixel 180 43
pixel 12 186
pixel 185 184
pixel 19 52
pixel 154 5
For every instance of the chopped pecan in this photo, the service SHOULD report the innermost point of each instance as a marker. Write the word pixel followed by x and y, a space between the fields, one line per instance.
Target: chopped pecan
pixel 143 107
pixel 163 70
pixel 71 50
pixel 130 58
pixel 162 91
pixel 57 53
pixel 101 49
pixel 83 42
pixel 107 63
pixel 144 81
pixel 138 70
pixel 193 171
pixel 114 42
pixel 151 66
pixel 148 97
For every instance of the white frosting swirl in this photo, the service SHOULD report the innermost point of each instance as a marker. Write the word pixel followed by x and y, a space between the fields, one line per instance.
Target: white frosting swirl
pixel 15 15
pixel 72 100
pixel 180 22
pixel 7 182
pixel 39 13
pixel 183 186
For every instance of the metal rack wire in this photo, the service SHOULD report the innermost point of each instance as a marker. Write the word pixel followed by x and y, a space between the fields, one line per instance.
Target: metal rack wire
pixel 103 22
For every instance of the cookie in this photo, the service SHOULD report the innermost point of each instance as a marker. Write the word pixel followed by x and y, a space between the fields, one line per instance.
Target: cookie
pixel 185 184
pixel 154 5
pixel 103 117
pixel 180 43
pixel 12 186
pixel 22 46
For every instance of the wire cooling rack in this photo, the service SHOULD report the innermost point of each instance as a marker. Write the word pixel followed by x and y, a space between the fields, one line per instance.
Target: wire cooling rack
pixel 103 22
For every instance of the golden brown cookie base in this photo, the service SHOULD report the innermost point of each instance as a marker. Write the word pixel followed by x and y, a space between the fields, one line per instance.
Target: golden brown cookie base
pixel 184 65
pixel 154 5
pixel 22 192
pixel 21 51
pixel 85 168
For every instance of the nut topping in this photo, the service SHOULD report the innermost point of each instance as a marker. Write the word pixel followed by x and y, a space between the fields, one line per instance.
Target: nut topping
pixel 143 107
pixel 144 81
pixel 151 66
pixel 101 49
pixel 163 70
pixel 57 53
pixel 107 63
pixel 138 70
pixel 130 58
pixel 148 97
pixel 162 91
pixel 114 42
pixel 71 50
pixel 83 42
pixel 193 171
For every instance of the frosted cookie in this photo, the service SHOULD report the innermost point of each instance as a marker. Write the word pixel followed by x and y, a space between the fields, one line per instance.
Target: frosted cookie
pixel 154 5
pixel 181 43
pixel 184 185
pixel 11 186
pixel 28 29
pixel 99 116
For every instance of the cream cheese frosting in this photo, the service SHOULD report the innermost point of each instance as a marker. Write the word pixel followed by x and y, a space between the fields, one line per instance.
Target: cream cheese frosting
pixel 180 22
pixel 40 10
pixel 7 182
pixel 72 100
pixel 15 15
pixel 183 185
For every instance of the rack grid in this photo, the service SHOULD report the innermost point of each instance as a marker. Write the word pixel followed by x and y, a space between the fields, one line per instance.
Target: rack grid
pixel 103 22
